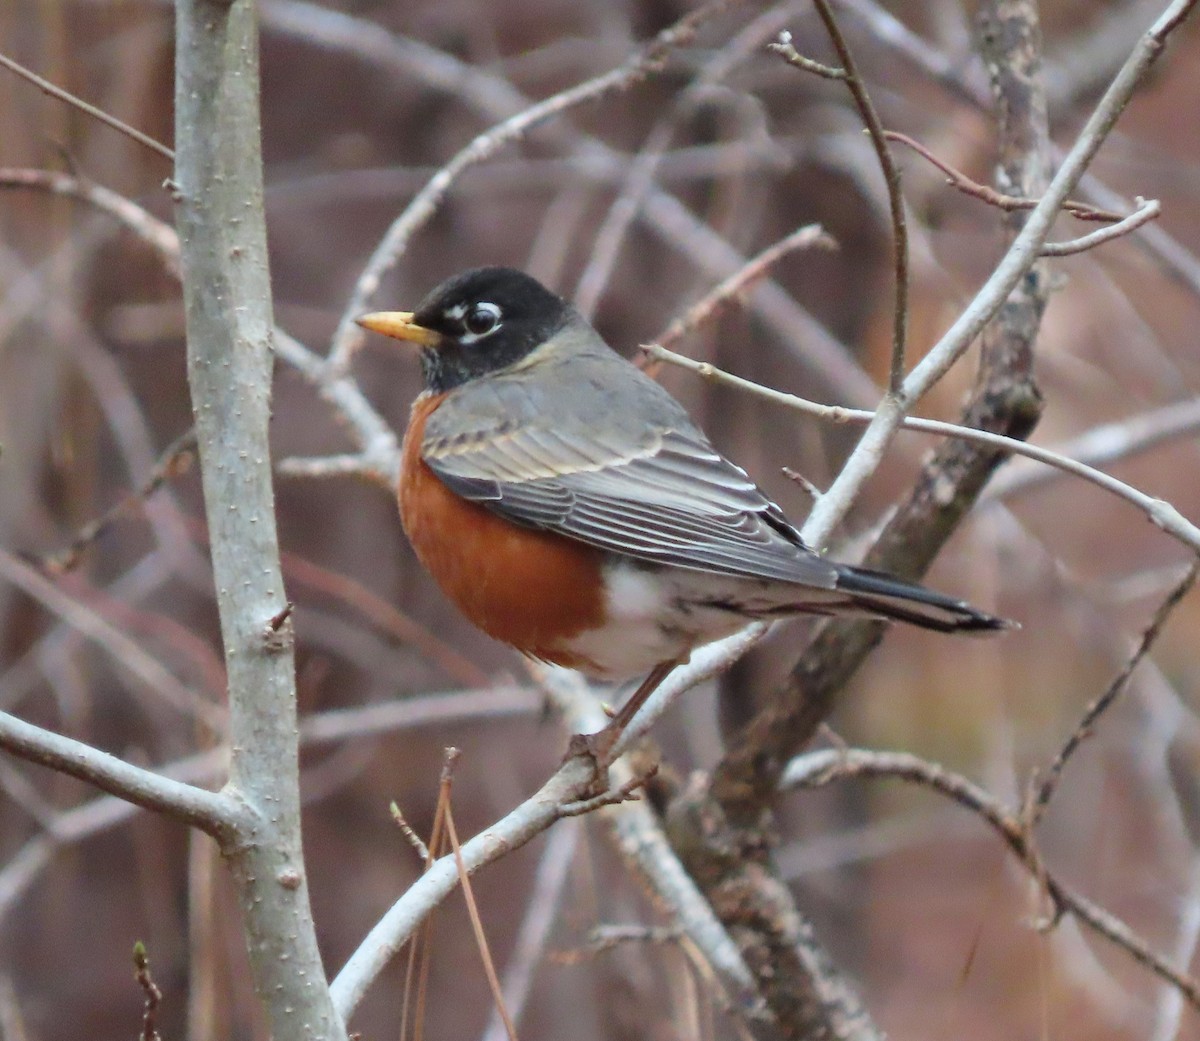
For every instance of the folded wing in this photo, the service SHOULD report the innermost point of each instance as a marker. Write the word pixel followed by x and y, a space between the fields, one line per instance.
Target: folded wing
pixel 670 499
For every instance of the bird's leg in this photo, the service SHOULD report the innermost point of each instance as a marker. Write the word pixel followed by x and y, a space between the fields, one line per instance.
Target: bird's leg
pixel 599 746
pixel 624 715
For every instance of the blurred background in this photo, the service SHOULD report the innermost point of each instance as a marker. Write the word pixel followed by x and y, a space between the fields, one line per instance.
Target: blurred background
pixel 633 206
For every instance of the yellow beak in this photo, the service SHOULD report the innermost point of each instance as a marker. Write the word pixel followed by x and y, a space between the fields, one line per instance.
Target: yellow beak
pixel 400 326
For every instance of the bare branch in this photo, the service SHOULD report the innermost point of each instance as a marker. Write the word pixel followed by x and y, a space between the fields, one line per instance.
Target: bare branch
pixel 495 97
pixel 1103 444
pixel 159 236
pixel 227 302
pixel 986 193
pixel 217 814
pixel 1004 398
pixel 720 828
pixel 1020 256
pixel 710 305
pixel 413 838
pixel 153 995
pixel 90 110
pixel 348 335
pixel 1145 212
pixel 891 176
pixel 1159 512
pixel 819 768
pixel 127 652
pixel 635 828
pixel 1180 263
pixel 1040 797
pixel 380 456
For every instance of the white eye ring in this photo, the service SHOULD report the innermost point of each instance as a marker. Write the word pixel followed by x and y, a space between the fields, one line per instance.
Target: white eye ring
pixel 480 321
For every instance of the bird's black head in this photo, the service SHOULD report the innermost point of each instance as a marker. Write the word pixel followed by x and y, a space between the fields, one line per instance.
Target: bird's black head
pixel 476 323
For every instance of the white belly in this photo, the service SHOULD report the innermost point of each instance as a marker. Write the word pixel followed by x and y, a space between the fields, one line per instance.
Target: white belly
pixel 657 616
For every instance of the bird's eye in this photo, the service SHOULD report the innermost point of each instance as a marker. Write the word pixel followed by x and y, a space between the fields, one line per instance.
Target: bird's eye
pixel 481 319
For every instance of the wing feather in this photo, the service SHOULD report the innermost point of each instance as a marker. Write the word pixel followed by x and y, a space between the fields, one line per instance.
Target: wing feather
pixel 663 506
pixel 627 473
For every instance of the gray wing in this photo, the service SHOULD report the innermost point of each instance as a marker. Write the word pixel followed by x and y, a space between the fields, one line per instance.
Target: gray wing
pixel 656 491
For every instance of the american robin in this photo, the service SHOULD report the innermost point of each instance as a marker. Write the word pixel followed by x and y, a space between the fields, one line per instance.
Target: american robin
pixel 569 507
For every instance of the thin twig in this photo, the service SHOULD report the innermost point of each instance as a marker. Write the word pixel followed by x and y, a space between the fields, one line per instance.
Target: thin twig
pixel 151 992
pixel 349 464
pixel 891 175
pixel 802 482
pixel 819 768
pixel 710 305
pixel 787 51
pixel 1040 797
pixel 495 98
pixel 1179 263
pixel 99 114
pixel 626 792
pixel 1018 259
pixel 380 456
pixel 1104 444
pixel 173 461
pixel 1160 513
pixel 955 178
pixel 603 938
pixel 137 219
pixel 348 335
pixel 124 649
pixel 1146 211
pixel 406 830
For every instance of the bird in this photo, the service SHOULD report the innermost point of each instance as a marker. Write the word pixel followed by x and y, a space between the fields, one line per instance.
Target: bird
pixel 570 507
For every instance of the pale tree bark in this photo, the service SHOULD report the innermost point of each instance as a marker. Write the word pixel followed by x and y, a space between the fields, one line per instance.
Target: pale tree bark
pixel 227 295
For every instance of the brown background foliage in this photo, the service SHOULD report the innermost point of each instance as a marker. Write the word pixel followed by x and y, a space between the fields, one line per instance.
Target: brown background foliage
pixel 911 894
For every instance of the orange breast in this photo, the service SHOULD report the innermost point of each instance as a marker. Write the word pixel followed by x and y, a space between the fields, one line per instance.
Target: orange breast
pixel 531 589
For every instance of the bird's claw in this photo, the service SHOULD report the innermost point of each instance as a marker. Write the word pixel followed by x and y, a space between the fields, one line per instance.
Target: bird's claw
pixel 598 748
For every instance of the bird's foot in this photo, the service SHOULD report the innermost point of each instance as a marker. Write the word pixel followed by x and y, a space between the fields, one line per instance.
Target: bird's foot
pixel 598 748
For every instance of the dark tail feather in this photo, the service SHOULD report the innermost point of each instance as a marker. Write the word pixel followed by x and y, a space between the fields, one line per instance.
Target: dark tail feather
pixel 890 597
